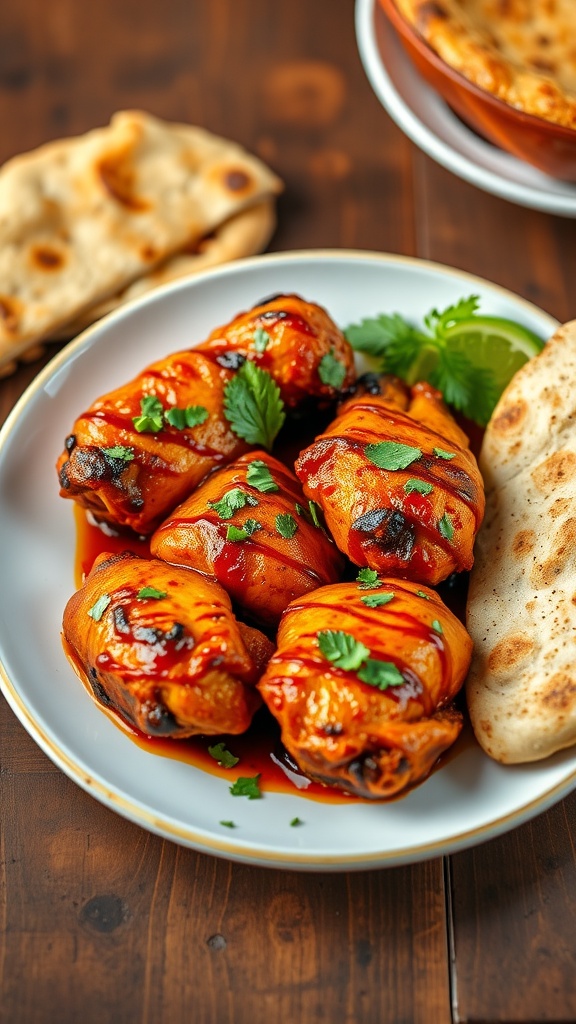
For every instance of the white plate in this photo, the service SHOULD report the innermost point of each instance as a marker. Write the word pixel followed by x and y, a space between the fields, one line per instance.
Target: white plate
pixel 427 120
pixel 469 800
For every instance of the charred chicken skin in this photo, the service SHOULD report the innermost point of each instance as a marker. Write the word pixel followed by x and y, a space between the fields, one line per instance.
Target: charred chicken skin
pixel 249 527
pixel 363 681
pixel 131 457
pixel 160 648
pixel 399 487
pixel 295 341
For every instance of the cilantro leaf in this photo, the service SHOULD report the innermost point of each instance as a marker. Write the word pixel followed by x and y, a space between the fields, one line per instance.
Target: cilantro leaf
pixel 119 451
pixel 461 310
pixel 191 416
pixel 419 486
pixel 151 419
pixel 437 626
pixel 253 406
pixel 236 534
pixel 380 674
pixel 441 454
pixel 247 787
pixel 446 527
pixel 147 593
pixel 99 607
pixel 251 526
pixel 342 649
pixel 392 455
pixel 225 759
pixel 261 339
pixel 229 824
pixel 260 477
pixel 377 335
pixel 232 502
pixel 315 511
pixel 368 579
pixel 295 822
pixel 331 371
pixel 376 600
pixel 286 525
pixel 420 593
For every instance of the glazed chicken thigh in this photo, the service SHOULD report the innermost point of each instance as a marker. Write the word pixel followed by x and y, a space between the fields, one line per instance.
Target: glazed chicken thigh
pixel 397 482
pixel 160 648
pixel 363 681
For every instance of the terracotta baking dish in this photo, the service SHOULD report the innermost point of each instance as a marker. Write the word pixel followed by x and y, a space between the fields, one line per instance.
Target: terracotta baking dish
pixel 549 147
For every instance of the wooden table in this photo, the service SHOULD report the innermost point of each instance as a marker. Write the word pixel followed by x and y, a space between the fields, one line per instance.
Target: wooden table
pixel 102 922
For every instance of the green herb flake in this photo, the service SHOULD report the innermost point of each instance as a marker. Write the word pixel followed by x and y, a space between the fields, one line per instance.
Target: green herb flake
pixel 342 649
pixel 191 416
pixel 99 607
pixel 446 527
pixel 253 406
pixel 380 674
pixel 419 486
pixel 231 502
pixel 295 822
pixel 260 477
pixel 299 510
pixel 248 787
pixel 236 534
pixel 223 756
pixel 420 593
pixel 437 626
pixel 286 525
pixel 392 455
pixel 151 419
pixel 368 579
pixel 147 593
pixel 331 370
pixel 261 339
pixel 315 511
pixel 119 451
pixel 251 526
pixel 229 824
pixel 377 600
pixel 441 454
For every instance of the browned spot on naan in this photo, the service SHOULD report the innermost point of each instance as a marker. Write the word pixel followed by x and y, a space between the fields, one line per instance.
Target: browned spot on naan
pixel 510 652
pixel 486 727
pixel 510 418
pixel 237 180
pixel 45 257
pixel 560 507
pixel 555 470
pixel 117 175
pixel 544 574
pixel 9 314
pixel 559 692
pixel 523 543
pixel 148 252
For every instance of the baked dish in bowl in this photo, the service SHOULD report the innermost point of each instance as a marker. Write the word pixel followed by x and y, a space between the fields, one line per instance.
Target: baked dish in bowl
pixel 506 67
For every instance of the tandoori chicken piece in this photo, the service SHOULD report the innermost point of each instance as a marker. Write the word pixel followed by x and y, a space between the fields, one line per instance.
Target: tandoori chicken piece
pixel 362 684
pixel 295 341
pixel 250 527
pixel 160 648
pixel 399 487
pixel 139 450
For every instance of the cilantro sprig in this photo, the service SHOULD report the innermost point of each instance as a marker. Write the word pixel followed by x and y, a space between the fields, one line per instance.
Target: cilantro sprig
pixel 253 406
pixel 347 653
pixel 414 354
pixel 153 416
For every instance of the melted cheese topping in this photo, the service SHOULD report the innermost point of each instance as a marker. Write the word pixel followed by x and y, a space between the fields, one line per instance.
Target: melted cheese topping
pixel 521 51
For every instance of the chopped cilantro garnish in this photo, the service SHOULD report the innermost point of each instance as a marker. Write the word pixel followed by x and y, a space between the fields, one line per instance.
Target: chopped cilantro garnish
pixel 253 406
pixel 236 534
pixel 420 593
pixel 380 674
pixel 151 419
pixel 446 527
pixel 342 649
pixel 251 525
pixel 315 514
pixel 437 626
pixel 286 525
pixel 119 451
pixel 229 824
pixel 232 502
pixel 441 454
pixel 150 592
pixel 368 579
pixel 331 370
pixel 376 600
pixel 420 486
pixel 247 787
pixel 191 416
pixel 99 607
pixel 296 821
pixel 392 455
pixel 260 477
pixel 261 339
pixel 225 759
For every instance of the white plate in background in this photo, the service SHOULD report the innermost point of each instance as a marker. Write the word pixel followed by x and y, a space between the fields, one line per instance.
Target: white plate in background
pixel 467 801
pixel 430 123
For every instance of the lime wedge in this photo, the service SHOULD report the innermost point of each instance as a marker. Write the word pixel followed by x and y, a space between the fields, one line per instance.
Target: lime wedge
pixel 494 344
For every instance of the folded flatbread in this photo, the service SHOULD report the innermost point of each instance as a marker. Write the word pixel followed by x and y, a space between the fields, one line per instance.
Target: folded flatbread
pixel 82 218
pixel 521 613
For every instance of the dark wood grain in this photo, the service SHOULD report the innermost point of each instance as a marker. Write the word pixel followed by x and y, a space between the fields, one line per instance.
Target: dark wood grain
pixel 101 921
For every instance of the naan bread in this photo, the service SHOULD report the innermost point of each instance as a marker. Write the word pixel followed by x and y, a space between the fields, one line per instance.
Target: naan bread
pixel 520 51
pixel 521 614
pixel 245 234
pixel 82 218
